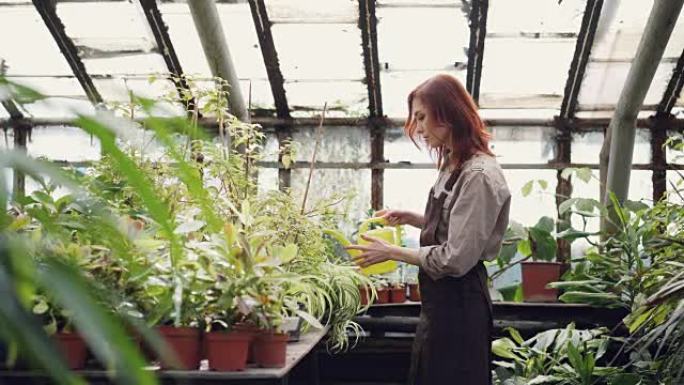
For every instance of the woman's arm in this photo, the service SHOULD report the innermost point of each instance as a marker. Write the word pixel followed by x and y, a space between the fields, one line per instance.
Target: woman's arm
pixel 402 217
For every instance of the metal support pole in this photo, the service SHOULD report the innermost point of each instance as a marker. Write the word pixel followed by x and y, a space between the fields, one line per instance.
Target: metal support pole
pixel 208 24
pixel 622 127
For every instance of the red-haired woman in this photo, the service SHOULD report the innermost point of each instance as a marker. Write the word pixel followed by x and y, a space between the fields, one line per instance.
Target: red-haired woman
pixel 463 225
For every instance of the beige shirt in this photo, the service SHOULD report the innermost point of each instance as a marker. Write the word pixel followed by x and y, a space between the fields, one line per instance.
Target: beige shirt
pixel 473 229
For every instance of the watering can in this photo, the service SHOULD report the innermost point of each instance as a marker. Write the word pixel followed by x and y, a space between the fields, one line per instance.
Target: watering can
pixel 389 235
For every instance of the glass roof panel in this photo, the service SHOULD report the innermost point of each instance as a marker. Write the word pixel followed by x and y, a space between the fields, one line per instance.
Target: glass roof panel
pixel 338 144
pixel 415 48
pixel 20 60
pixel 59 108
pixel 534 16
pixel 396 85
pixel 117 89
pixel 313 11
pixel 621 26
pixel 513 75
pixel 603 83
pixel 319 51
pixel 343 98
pixel 236 20
pixel 63 143
pixel 67 86
pixel 112 37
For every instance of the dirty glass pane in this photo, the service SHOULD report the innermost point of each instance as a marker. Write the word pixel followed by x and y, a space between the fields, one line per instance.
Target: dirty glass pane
pixel 34 34
pixel 620 28
pixel 396 85
pixel 603 83
pixel 672 155
pixel 112 37
pixel 7 139
pixel 327 183
pixel 238 28
pixel 523 144
pixel 540 202
pixel 399 148
pixel 513 75
pixel 267 179
pixel 312 10
pixel 319 51
pixel 63 143
pixel 509 113
pixel 641 186
pixel 344 98
pixel 117 89
pixel 675 186
pixel 408 190
pixel 587 146
pixel 67 86
pixel 534 16
pixel 338 144
pixel 415 48
pixel 59 107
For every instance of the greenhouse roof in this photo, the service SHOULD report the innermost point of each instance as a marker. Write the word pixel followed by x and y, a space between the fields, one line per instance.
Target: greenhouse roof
pixel 567 58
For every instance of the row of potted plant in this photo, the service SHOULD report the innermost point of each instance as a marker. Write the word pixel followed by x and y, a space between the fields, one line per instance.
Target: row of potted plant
pixel 383 292
pixel 185 244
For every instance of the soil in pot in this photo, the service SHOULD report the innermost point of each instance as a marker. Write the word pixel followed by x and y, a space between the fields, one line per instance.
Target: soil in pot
pixel 535 277
pixel 73 349
pixel 414 292
pixel 398 294
pixel 270 349
pixel 185 343
pixel 227 351
pixel 383 295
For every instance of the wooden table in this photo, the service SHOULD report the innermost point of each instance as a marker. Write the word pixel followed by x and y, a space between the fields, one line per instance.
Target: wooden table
pixel 296 351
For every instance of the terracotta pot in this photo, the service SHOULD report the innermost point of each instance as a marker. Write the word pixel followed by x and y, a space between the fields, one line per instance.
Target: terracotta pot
pixel 73 349
pixel 364 294
pixel 398 294
pixel 227 351
pixel 252 331
pixel 535 277
pixel 185 343
pixel 383 295
pixel 270 349
pixel 414 292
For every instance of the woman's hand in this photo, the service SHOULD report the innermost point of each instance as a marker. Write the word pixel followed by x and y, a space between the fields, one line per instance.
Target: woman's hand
pixel 374 252
pixel 401 217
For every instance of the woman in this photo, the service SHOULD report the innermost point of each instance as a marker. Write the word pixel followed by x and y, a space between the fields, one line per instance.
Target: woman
pixel 463 225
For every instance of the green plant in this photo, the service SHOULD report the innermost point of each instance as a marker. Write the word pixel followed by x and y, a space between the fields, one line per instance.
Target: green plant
pixel 556 356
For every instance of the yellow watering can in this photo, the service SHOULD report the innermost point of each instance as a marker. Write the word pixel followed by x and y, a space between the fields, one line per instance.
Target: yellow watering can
pixel 392 236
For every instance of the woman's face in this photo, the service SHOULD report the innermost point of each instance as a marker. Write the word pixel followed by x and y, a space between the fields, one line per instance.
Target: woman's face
pixel 433 134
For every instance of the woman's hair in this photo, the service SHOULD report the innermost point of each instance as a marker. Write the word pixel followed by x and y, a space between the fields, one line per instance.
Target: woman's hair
pixel 450 105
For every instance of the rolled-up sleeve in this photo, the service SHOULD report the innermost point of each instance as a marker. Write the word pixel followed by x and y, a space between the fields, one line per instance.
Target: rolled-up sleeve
pixel 471 222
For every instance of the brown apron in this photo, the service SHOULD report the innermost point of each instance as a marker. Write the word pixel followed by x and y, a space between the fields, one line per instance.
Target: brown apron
pixel 453 339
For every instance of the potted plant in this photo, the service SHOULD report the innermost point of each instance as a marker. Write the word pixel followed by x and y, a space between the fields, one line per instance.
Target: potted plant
pixel 226 346
pixel 537 247
pixel 57 324
pixel 177 319
pixel 413 289
pixel 382 290
pixel 397 292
